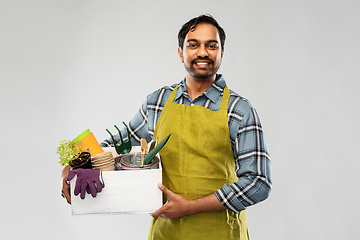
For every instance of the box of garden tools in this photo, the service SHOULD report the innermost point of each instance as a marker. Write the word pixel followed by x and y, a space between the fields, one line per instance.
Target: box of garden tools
pixel 127 189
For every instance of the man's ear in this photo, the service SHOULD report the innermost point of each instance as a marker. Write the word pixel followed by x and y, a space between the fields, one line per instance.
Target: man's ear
pixel 222 52
pixel 180 52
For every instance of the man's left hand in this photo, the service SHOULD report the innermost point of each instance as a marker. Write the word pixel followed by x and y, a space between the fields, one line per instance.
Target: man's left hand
pixel 175 207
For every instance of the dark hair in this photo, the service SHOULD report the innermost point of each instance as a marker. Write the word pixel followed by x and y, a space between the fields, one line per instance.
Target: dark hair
pixel 191 25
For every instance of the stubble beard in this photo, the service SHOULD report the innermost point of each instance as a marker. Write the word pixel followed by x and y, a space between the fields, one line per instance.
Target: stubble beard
pixel 201 76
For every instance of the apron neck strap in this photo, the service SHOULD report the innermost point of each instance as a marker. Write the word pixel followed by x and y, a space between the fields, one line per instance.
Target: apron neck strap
pixel 224 100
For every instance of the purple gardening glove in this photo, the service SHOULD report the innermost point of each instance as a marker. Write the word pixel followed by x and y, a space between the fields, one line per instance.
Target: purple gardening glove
pixel 87 179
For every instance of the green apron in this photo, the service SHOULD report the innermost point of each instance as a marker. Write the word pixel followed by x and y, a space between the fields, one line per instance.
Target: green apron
pixel 197 161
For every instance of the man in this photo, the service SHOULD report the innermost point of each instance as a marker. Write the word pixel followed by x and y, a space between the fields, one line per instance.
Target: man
pixel 216 162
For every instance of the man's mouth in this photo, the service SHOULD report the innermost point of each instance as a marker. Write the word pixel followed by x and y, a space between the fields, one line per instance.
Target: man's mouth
pixel 202 64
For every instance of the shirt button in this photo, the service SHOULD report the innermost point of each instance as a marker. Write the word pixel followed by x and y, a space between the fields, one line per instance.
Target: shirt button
pixel 192 104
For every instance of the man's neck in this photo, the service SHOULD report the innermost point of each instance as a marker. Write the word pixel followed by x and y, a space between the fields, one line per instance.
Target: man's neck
pixel 196 87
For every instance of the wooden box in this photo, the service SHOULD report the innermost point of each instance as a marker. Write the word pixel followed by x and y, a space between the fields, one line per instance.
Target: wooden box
pixel 125 192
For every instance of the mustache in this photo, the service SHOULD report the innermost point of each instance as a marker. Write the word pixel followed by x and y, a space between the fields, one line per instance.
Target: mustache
pixel 202 58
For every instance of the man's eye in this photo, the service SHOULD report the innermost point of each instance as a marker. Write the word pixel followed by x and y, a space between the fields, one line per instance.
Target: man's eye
pixel 190 45
pixel 213 46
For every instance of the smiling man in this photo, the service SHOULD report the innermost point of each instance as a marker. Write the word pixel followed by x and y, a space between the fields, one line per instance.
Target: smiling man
pixel 201 54
pixel 216 163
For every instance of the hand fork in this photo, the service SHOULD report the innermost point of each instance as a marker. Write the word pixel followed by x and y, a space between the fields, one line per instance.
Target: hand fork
pixel 123 148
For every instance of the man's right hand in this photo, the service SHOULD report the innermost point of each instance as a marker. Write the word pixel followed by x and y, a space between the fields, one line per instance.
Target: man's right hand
pixel 65 191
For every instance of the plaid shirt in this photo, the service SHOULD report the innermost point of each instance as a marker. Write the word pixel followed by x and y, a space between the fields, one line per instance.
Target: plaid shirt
pixel 250 152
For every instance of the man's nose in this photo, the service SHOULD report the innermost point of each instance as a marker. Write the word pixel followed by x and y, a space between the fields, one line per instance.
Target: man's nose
pixel 202 51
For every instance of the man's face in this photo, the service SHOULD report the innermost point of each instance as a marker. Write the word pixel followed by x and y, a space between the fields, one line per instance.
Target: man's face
pixel 202 53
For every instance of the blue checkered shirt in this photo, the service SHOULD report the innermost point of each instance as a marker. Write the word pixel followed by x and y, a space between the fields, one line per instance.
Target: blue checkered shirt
pixel 249 148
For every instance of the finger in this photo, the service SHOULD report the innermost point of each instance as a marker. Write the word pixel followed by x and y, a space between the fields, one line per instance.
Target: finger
pixel 71 174
pixel 98 186
pixel 92 189
pixel 101 180
pixel 83 189
pixel 88 189
pixel 78 184
pixel 157 213
pixel 160 212
pixel 165 190
pixel 66 191
pixel 67 196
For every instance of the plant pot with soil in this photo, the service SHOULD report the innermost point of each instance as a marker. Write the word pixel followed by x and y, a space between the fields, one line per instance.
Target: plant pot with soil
pixel 82 161
pixel 72 154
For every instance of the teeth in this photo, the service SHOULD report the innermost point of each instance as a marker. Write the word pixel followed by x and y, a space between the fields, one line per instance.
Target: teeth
pixel 201 63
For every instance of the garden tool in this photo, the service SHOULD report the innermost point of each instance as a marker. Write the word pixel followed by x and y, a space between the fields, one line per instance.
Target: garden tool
pixel 144 148
pixel 152 145
pixel 123 148
pixel 156 149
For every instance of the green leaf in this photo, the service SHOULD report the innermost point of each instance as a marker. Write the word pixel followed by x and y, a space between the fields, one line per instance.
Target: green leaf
pixel 67 151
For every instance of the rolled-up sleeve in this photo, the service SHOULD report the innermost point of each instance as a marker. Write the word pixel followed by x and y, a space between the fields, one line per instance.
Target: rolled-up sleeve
pixel 252 166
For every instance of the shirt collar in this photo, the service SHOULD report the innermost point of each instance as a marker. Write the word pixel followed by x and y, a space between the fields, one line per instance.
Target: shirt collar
pixel 213 93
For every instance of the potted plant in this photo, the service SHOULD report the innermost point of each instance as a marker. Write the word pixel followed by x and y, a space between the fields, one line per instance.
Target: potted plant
pixel 72 154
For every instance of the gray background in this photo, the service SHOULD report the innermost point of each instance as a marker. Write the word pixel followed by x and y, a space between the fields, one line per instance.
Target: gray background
pixel 66 66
